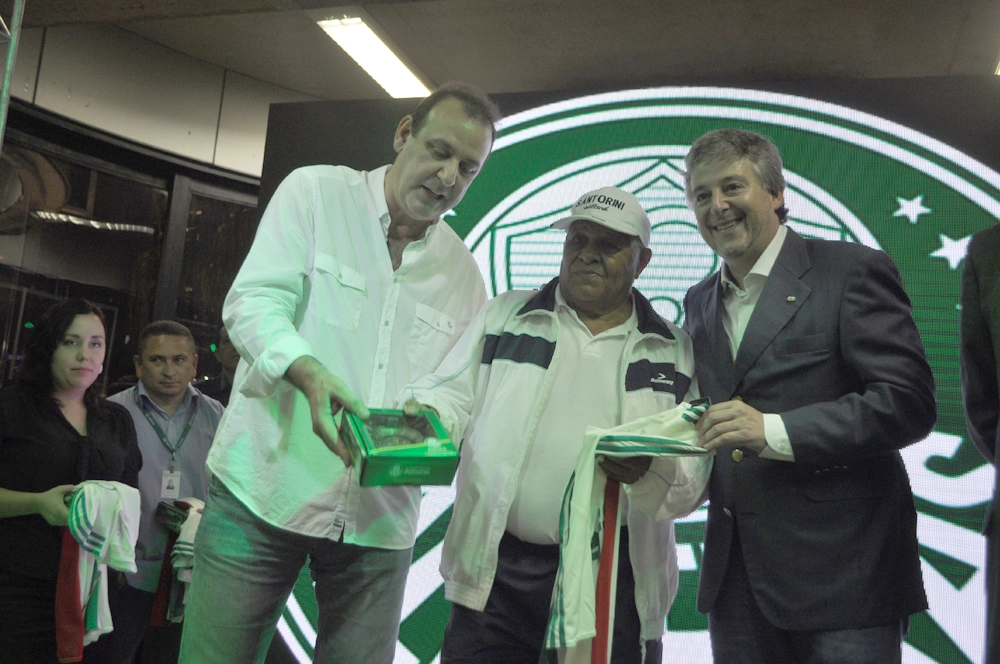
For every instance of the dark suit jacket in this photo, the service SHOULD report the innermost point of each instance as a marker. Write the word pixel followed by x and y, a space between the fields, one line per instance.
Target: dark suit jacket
pixel 980 370
pixel 829 540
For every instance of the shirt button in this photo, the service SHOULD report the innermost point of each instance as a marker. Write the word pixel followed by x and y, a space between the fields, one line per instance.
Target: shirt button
pixel 737 455
pixel 726 510
pixel 395 280
pixel 380 366
pixel 386 323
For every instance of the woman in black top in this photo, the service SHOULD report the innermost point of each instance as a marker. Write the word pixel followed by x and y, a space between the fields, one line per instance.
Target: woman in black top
pixel 54 433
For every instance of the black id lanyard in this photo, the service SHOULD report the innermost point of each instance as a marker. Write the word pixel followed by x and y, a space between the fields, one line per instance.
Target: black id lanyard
pixel 159 432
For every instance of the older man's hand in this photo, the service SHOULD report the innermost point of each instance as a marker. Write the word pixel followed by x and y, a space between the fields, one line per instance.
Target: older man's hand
pixel 625 471
pixel 731 423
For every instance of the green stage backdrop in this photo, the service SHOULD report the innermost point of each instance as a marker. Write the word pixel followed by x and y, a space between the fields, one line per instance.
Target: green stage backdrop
pixel 852 176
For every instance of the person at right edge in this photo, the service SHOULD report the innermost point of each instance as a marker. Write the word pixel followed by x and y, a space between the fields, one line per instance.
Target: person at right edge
pixel 818 378
pixel 980 334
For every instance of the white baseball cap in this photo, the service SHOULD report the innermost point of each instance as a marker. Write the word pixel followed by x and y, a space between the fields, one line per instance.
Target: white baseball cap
pixel 613 208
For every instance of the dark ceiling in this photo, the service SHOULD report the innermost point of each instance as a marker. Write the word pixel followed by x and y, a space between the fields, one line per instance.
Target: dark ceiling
pixel 525 45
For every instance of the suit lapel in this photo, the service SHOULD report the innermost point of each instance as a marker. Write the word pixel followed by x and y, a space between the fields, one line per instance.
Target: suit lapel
pixel 721 358
pixel 782 297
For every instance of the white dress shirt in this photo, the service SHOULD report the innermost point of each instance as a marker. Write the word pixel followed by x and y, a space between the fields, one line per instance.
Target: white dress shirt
pixel 319 281
pixel 739 304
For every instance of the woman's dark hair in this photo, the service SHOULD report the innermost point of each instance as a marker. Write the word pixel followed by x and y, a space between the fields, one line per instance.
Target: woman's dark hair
pixel 36 372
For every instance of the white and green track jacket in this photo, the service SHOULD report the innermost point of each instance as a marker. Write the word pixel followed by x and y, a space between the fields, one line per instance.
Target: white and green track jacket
pixel 491 390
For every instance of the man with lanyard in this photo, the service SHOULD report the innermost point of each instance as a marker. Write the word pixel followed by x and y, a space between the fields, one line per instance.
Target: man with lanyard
pixel 175 424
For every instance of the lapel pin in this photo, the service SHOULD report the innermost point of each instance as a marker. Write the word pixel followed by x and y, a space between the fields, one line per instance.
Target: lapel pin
pixel 791 298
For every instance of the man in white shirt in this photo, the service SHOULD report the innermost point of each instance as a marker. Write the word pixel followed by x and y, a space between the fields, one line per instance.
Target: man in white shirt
pixel 352 289
pixel 531 372
pixel 817 374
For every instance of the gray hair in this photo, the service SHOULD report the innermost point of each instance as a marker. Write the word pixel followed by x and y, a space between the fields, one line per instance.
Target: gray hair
pixel 730 145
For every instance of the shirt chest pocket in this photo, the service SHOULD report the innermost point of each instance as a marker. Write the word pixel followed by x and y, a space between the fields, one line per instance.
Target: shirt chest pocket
pixel 428 339
pixel 338 292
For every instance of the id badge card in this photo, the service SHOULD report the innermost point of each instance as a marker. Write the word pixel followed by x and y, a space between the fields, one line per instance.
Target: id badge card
pixel 170 488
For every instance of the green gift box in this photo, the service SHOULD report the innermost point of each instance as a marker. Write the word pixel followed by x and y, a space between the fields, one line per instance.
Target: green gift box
pixel 392 449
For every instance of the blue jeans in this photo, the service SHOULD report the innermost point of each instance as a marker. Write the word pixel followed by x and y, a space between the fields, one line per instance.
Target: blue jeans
pixel 245 568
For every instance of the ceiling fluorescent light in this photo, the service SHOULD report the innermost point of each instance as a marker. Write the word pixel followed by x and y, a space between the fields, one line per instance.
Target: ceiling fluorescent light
pixel 359 41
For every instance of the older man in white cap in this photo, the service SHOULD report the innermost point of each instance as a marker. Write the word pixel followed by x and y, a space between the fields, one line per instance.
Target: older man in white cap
pixel 531 372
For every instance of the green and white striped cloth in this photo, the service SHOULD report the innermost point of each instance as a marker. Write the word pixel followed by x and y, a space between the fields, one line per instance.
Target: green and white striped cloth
pixel 573 613
pixel 104 521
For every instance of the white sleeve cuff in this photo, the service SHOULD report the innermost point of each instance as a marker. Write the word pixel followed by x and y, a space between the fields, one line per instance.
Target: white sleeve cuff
pixel 779 447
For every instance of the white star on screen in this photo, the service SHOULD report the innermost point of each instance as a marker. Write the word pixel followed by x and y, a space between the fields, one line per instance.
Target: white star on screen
pixel 911 209
pixel 952 250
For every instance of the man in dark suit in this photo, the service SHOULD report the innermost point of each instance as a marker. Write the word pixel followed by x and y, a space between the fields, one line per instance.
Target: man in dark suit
pixel 818 377
pixel 980 372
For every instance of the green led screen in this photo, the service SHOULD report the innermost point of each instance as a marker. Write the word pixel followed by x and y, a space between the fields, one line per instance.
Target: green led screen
pixel 852 176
